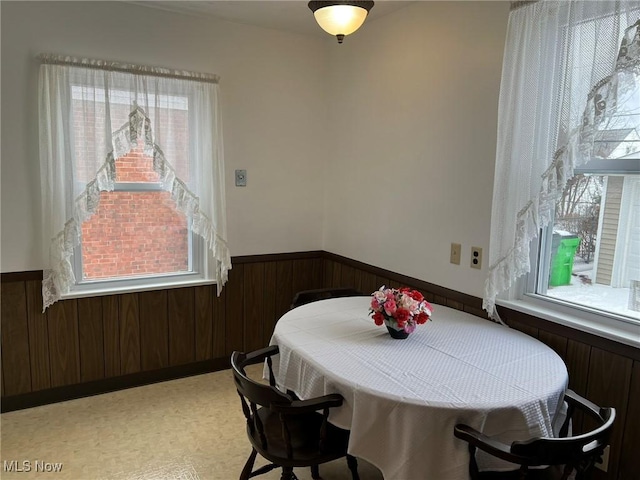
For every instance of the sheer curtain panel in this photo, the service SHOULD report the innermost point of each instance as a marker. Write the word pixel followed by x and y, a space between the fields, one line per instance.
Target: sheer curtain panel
pixel 93 112
pixel 567 73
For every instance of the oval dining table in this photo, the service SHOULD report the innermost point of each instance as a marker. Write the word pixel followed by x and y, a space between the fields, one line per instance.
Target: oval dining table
pixel 403 397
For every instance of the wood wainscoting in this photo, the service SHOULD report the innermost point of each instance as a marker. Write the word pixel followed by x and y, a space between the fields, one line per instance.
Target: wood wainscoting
pixel 606 372
pixel 86 346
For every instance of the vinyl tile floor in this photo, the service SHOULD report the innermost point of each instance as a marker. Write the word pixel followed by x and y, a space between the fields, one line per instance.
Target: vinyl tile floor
pixel 186 429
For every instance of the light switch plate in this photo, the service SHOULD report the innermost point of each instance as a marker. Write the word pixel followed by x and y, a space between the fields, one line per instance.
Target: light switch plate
pixel 241 178
pixel 456 249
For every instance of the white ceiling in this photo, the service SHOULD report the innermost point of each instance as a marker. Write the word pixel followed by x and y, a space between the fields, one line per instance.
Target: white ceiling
pixel 289 15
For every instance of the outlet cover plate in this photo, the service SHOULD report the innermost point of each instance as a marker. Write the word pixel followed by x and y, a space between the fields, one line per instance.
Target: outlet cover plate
pixel 476 257
pixel 604 464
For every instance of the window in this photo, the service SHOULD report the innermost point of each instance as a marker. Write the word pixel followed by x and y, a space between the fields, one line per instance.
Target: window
pixel 137 229
pixel 565 233
pixel 132 178
pixel 137 232
pixel 589 256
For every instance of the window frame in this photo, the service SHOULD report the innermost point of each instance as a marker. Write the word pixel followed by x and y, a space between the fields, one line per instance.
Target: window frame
pixel 621 329
pixel 129 283
pixel 523 296
pixel 138 283
pixel 197 268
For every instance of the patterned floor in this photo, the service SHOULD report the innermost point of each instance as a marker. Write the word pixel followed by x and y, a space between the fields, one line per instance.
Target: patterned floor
pixel 184 429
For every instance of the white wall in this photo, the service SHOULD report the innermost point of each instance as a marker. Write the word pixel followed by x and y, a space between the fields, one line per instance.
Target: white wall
pixel 380 149
pixel 413 136
pixel 273 107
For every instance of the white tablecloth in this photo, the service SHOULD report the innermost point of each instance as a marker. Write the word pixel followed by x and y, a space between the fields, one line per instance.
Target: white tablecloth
pixel 403 397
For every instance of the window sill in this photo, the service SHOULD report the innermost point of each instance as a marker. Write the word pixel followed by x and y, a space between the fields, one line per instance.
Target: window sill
pixel 619 330
pixel 95 291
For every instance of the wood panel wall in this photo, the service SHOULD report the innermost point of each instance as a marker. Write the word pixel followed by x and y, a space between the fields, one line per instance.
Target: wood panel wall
pixel 93 345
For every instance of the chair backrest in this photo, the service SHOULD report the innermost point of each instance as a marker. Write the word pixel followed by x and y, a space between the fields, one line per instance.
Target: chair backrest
pixel 254 392
pixel 308 296
pixel 577 452
pixel 284 423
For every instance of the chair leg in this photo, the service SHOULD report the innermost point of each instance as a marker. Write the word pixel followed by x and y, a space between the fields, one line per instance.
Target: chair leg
pixel 474 473
pixel 315 472
pixel 566 472
pixel 524 470
pixel 584 471
pixel 248 467
pixel 287 474
pixel 352 463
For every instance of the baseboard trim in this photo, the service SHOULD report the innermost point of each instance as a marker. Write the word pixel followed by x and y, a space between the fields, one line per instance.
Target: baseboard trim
pixel 97 387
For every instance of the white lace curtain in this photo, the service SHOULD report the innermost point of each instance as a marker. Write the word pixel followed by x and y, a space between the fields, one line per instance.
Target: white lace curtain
pixel 91 113
pixel 567 72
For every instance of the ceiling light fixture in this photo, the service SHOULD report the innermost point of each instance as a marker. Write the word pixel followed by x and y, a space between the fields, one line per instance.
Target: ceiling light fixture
pixel 340 18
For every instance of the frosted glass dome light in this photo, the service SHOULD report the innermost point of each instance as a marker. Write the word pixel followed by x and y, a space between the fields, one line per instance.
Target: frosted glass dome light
pixel 340 18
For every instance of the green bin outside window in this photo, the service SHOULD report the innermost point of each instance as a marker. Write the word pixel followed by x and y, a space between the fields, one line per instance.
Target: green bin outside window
pixel 562 261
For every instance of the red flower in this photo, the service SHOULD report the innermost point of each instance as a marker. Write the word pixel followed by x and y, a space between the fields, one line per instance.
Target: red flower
pixel 422 318
pixel 378 318
pixel 375 306
pixel 416 295
pixel 402 315
pixel 390 307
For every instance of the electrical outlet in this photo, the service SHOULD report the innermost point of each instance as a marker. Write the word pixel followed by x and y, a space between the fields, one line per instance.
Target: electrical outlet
pixel 456 248
pixel 604 464
pixel 476 257
pixel 241 178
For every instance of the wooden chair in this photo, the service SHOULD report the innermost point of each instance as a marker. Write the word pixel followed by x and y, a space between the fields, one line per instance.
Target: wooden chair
pixel 308 296
pixel 563 455
pixel 286 431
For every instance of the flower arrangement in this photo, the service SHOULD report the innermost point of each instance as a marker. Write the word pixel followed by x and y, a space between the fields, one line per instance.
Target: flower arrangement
pixel 400 309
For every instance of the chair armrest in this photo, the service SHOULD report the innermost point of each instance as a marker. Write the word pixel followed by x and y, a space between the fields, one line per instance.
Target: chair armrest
pixel 259 356
pixel 576 400
pixel 481 441
pixel 308 406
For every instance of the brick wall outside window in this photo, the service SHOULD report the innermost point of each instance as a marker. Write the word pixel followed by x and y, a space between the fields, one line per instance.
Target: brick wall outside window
pixel 134 233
